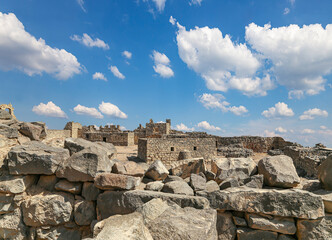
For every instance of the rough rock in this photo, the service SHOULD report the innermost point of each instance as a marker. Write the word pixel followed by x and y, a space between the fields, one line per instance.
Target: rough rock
pixel 310 185
pixel 178 187
pixel 154 186
pixel 35 158
pixel 6 203
pixel 210 175
pixel 315 229
pixel 84 165
pixel 128 168
pixel 285 237
pixel 31 130
pixel 66 186
pixel 8 132
pixel 239 221
pixel 239 168
pixel 185 168
pixel 52 209
pixel 230 182
pixel 171 178
pixel 110 181
pixel 255 181
pixel 197 182
pixel 4 115
pixel 250 234
pixel 327 199
pixel 90 192
pixel 47 182
pixel 16 184
pixel 153 209
pixel 285 203
pixel 157 171
pixel 123 202
pixel 325 173
pixel 123 227
pixel 84 212
pixel 225 226
pixel 11 226
pixel 212 186
pixel 58 233
pixel 269 223
pixel 75 145
pixel 278 171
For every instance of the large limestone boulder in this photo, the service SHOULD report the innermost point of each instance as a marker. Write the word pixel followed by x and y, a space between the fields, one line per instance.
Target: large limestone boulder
pixel 178 187
pixel 128 168
pixel 35 158
pixel 16 184
pixel 315 229
pixel 239 168
pixel 112 181
pixel 111 203
pixel 154 186
pixel 325 173
pixel 185 168
pixel 32 131
pixel 285 203
pixel 12 226
pixel 123 227
pixel 52 209
pixel 157 171
pixel 75 145
pixel 278 171
pixel 84 165
pixel 197 182
pixel 8 132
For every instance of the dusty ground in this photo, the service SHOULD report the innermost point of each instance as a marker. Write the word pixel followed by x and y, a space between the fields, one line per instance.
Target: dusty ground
pixel 126 152
pixel 258 156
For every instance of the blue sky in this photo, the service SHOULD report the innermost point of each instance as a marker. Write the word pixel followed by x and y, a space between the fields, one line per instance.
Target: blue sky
pixel 222 66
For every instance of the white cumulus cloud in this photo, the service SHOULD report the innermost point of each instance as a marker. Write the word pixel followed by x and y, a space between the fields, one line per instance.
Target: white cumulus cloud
pixel 111 110
pixel 49 109
pixel 280 109
pixel 116 72
pixel 211 101
pixel 162 64
pixel 182 127
pixel 172 20
pixel 222 63
pixel 93 112
pixel 127 54
pixel 99 76
pixel 281 130
pixel 312 113
pixel 160 4
pixel 20 50
pixel 208 127
pixel 86 40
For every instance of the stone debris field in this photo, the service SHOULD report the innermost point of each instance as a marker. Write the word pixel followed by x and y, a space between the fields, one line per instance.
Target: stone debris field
pixel 158 183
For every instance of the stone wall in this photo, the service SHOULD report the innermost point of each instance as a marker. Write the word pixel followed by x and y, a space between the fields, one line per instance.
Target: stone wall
pixel 168 149
pixel 52 133
pixel 118 139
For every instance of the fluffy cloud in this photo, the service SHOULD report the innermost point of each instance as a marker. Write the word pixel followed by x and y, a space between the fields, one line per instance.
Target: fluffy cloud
pixel 93 112
pixel 162 64
pixel 211 101
pixel 323 127
pixel 182 127
pixel 86 40
pixel 279 110
pixel 296 94
pixel 112 110
pixel 312 113
pixel 208 127
pixel 116 72
pixel 222 63
pixel 268 133
pixel 172 20
pixel 127 54
pixel 20 50
pixel 286 11
pixel 300 56
pixel 99 76
pixel 49 110
pixel 281 130
pixel 308 131
pixel 195 2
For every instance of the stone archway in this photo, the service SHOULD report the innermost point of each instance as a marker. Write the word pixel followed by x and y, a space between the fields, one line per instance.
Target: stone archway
pixel 10 109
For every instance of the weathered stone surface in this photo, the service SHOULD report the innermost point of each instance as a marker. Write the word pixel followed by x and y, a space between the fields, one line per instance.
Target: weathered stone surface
pixel 230 182
pixel 111 203
pixel 8 132
pixel 210 175
pixel 278 171
pixel 16 184
pixel 325 173
pixel 157 171
pixel 35 158
pixel 128 168
pixel 269 223
pixel 153 209
pixel 4 115
pixel 310 185
pixel 171 178
pixel 178 187
pixel 225 226
pixel 255 181
pixel 110 181
pixel 315 229
pixel 47 182
pixel 6 203
pixel 84 212
pixel 327 199
pixel 58 233
pixel 75 145
pixel 31 130
pixel 250 234
pixel 239 221
pixel 285 237
pixel 197 182
pixel 154 186
pixel 123 227
pixel 52 209
pixel 285 203
pixel 212 186
pixel 84 165
pixel 239 168
pixel 90 192
pixel 187 167
pixel 12 227
pixel 66 186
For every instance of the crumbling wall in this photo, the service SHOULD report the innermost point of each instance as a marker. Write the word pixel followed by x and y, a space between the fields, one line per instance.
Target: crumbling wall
pixel 52 133
pixel 118 139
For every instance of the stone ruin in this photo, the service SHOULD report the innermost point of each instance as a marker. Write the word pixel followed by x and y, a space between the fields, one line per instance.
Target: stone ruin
pixel 9 107
pixel 79 190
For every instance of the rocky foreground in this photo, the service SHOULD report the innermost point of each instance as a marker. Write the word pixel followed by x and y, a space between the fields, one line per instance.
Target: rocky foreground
pixel 80 191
